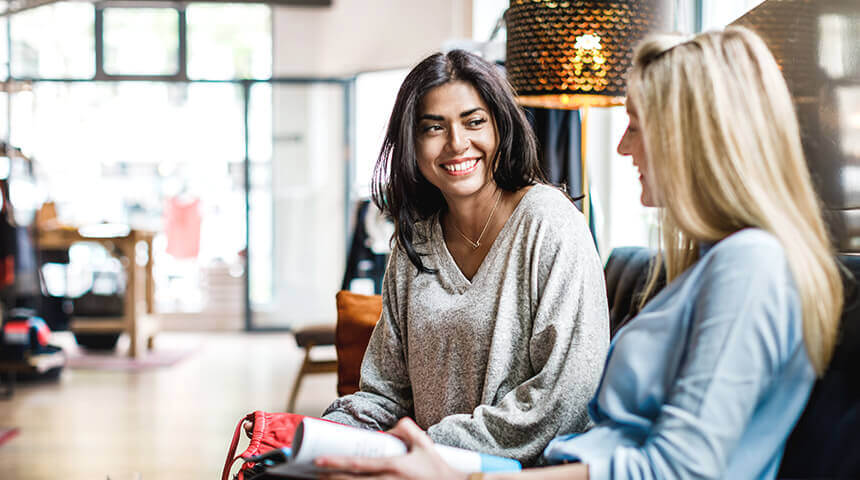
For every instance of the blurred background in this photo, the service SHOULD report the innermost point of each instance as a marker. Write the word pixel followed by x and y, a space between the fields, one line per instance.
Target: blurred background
pixel 185 187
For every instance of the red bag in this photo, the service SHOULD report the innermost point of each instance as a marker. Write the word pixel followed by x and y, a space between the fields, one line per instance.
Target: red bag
pixel 271 431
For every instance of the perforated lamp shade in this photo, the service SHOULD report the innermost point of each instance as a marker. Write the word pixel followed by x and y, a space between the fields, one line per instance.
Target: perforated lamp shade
pixel 572 54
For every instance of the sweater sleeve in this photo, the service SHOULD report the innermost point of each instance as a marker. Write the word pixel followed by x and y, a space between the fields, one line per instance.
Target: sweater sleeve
pixel 385 391
pixel 566 350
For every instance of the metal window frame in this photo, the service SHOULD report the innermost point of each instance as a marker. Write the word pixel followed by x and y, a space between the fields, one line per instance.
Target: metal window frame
pixel 182 41
pixel 347 83
pixel 698 15
pixel 17 6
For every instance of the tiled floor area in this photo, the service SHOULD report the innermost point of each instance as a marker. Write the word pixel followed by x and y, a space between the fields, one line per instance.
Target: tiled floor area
pixel 168 423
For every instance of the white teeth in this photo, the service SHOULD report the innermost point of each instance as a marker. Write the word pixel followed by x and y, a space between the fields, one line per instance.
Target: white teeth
pixel 459 167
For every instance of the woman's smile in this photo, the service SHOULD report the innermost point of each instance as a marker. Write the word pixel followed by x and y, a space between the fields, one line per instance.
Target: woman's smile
pixel 457 140
pixel 461 166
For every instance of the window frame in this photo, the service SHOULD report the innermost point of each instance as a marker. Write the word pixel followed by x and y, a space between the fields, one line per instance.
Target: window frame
pixel 347 83
pixel 181 46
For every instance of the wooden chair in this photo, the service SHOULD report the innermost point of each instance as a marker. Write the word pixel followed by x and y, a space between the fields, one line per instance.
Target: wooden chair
pixel 356 316
pixel 307 338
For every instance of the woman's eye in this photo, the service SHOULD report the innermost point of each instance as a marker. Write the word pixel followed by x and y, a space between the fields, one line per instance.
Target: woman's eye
pixel 477 122
pixel 431 129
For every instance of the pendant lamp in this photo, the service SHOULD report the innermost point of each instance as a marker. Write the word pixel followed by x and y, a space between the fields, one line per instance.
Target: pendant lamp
pixel 575 54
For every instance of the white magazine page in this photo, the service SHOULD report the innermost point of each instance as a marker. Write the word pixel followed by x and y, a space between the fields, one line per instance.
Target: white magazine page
pixel 462 460
pixel 315 438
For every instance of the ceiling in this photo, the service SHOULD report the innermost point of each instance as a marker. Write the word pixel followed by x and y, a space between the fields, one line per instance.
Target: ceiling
pixel 15 6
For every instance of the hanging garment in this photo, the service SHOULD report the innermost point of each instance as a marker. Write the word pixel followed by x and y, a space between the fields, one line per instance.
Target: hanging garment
pixel 182 225
pixel 369 250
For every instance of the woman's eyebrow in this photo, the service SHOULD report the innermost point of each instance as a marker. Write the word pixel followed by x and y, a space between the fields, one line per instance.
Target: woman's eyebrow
pixel 435 118
pixel 439 118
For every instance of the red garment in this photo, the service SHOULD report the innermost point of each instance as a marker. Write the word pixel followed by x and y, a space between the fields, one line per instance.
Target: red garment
pixel 182 226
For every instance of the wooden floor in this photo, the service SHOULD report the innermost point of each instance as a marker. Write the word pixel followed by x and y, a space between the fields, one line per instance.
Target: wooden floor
pixel 168 423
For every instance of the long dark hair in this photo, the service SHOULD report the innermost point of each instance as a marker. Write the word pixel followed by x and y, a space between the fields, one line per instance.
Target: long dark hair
pixel 400 190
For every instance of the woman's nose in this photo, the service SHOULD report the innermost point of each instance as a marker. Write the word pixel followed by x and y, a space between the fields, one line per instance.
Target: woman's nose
pixel 458 140
pixel 623 147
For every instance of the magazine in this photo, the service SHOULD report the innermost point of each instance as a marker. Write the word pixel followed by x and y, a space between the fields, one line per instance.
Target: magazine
pixel 315 438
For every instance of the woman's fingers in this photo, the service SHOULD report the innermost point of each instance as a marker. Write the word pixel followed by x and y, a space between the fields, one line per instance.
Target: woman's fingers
pixel 347 476
pixel 411 434
pixel 355 464
pixel 248 425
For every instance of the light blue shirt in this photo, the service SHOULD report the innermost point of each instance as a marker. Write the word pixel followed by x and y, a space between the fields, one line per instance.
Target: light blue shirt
pixel 708 380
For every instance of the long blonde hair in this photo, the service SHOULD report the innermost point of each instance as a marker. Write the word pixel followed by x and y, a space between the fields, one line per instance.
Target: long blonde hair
pixel 718 120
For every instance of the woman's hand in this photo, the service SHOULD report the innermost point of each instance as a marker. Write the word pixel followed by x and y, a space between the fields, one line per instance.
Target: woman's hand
pixel 422 461
pixel 248 425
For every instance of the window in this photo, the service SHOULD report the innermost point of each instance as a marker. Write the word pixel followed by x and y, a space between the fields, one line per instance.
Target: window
pixel 178 133
pixel 4 117
pixel 55 41
pixel 4 48
pixel 485 14
pixel 296 207
pixel 229 41
pixel 143 144
pixel 719 13
pixel 141 41
pixel 374 98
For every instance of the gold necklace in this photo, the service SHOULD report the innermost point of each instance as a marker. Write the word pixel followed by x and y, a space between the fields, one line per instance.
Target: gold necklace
pixel 477 243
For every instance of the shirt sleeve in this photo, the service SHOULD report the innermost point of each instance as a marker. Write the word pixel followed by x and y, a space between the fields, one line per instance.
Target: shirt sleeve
pixel 385 390
pixel 736 344
pixel 566 351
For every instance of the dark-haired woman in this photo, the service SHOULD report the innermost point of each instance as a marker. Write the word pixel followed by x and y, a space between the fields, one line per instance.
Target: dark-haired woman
pixel 494 326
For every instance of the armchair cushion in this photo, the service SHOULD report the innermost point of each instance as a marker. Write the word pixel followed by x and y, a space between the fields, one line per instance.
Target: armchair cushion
pixel 826 439
pixel 356 317
pixel 626 273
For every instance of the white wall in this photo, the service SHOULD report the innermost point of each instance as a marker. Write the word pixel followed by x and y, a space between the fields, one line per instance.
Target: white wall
pixel 353 36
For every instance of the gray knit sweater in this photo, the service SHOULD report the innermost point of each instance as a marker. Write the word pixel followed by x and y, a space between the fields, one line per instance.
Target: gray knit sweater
pixel 502 363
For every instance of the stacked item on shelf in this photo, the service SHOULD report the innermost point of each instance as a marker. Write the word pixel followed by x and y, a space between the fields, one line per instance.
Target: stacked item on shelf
pixel 223 289
pixel 25 351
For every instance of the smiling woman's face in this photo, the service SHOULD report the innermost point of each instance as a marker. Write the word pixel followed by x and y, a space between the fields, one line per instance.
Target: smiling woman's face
pixel 633 144
pixel 457 140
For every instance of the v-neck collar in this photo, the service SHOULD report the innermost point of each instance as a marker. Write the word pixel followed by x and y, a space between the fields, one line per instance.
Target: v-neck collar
pixel 448 268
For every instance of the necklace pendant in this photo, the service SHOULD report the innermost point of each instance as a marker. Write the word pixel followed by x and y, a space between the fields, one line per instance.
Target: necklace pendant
pixel 477 243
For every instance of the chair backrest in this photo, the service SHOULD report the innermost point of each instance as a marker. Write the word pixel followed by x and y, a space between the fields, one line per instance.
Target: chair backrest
pixel 626 272
pixel 357 315
pixel 826 439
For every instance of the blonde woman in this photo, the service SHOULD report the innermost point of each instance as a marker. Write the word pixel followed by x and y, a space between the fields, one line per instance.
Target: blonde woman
pixel 709 379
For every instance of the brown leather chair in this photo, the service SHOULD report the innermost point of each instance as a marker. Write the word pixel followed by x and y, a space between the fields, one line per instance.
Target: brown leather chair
pixel 357 315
